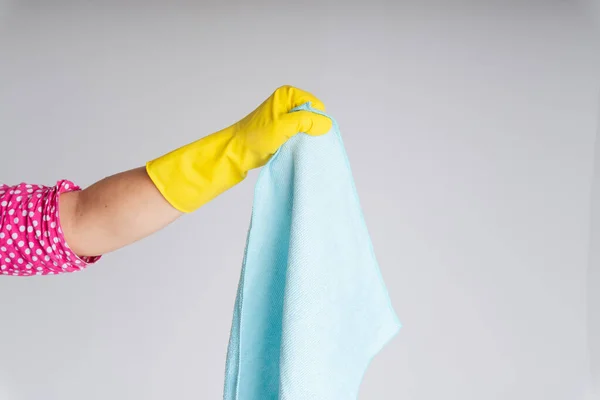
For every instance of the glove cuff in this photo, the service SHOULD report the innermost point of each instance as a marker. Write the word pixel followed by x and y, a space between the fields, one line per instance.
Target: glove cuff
pixel 193 175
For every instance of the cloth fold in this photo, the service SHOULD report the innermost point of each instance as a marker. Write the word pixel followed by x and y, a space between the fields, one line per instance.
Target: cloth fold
pixel 312 309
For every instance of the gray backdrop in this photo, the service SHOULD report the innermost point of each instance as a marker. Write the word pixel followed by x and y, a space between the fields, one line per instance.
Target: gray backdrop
pixel 470 126
pixel 593 277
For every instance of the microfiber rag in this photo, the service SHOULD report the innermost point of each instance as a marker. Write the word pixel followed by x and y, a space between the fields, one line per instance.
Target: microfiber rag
pixel 312 309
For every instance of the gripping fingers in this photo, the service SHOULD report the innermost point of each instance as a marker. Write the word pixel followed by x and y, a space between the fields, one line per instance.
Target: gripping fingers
pixel 306 121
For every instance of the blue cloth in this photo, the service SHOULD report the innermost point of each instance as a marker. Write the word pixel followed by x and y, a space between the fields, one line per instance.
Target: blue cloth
pixel 312 309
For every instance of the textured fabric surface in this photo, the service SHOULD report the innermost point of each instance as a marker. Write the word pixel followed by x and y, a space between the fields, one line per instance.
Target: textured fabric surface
pixel 31 239
pixel 312 309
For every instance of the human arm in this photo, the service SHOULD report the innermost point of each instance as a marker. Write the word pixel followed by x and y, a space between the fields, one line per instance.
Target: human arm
pixel 113 213
pixel 51 230
pixel 126 207
pixel 71 228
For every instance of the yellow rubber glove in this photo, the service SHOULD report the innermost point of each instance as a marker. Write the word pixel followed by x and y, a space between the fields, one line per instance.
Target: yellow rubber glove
pixel 191 176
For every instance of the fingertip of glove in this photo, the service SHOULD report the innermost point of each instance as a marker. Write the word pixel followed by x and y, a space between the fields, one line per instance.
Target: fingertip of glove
pixel 318 125
pixel 308 122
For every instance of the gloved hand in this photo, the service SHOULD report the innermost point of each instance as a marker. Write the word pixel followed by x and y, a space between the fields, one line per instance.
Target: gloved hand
pixel 191 176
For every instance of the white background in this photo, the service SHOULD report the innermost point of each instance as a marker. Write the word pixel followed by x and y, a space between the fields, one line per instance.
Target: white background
pixel 470 126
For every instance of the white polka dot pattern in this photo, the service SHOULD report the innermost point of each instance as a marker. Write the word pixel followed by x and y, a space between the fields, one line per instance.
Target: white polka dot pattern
pixel 31 239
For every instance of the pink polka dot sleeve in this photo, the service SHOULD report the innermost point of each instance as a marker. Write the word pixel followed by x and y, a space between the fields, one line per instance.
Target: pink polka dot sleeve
pixel 31 239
